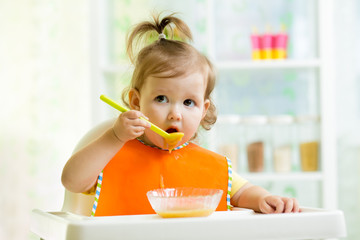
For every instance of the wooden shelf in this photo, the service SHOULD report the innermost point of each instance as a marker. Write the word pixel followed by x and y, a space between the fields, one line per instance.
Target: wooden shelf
pixel 292 176
pixel 268 64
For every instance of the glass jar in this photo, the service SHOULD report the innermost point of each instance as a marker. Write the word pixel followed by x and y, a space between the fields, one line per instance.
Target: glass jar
pixel 255 133
pixel 309 142
pixel 228 136
pixel 282 142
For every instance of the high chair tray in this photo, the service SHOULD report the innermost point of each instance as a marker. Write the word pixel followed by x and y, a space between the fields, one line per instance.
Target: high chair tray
pixel 241 224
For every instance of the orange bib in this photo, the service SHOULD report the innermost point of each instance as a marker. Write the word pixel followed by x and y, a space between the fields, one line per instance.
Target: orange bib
pixel 137 168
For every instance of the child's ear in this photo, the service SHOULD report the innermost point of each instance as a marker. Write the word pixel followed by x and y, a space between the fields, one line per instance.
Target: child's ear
pixel 134 99
pixel 206 107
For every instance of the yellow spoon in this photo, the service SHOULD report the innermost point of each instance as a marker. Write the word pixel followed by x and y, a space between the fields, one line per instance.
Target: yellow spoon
pixel 171 139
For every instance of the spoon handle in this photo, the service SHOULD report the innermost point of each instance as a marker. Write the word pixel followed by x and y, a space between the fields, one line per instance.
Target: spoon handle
pixel 117 106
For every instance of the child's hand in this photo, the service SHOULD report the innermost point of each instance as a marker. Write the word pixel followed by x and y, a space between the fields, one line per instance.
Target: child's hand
pixel 276 204
pixel 129 125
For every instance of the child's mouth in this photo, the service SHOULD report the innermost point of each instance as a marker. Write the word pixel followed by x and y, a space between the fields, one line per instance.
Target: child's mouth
pixel 171 130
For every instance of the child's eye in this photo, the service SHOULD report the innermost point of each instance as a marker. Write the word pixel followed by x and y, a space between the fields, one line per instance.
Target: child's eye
pixel 161 99
pixel 189 103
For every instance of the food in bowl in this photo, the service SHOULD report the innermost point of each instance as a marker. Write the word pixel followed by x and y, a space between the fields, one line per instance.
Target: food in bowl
pixel 184 202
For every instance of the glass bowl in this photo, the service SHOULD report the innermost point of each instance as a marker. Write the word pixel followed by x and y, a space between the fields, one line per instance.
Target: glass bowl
pixel 184 202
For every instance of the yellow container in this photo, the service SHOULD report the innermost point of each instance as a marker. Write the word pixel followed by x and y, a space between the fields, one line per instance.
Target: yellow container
pixel 256 55
pixel 266 53
pixel 309 142
pixel 309 152
pixel 279 53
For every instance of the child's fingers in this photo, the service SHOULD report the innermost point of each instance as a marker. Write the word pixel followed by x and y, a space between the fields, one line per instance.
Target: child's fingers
pixel 132 114
pixel 134 118
pixel 138 130
pixel 266 208
pixel 276 203
pixel 139 123
pixel 289 205
pixel 296 207
pixel 279 206
pixel 145 116
pixel 133 132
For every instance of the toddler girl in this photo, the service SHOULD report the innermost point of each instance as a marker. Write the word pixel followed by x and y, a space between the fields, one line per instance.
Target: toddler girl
pixel 171 86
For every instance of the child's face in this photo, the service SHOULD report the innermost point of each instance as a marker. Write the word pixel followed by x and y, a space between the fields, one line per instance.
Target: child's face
pixel 173 104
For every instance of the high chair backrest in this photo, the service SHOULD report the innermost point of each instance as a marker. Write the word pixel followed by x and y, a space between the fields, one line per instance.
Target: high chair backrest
pixel 80 203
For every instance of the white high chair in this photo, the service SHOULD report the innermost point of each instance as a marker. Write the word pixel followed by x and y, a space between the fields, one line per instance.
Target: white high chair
pixel 80 203
pixel 240 223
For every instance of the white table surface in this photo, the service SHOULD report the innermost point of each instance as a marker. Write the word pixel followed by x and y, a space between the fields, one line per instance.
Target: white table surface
pixel 244 224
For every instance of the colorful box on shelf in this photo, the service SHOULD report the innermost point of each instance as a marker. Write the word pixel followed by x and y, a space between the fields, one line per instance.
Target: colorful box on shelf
pixel 256 46
pixel 268 45
pixel 280 45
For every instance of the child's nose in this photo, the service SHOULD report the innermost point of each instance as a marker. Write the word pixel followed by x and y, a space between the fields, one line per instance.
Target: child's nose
pixel 175 114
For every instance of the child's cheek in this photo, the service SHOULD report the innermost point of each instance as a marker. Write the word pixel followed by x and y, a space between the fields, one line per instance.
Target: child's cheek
pixel 154 138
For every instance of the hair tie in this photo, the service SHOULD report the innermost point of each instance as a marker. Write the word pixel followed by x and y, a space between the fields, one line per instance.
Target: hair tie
pixel 162 36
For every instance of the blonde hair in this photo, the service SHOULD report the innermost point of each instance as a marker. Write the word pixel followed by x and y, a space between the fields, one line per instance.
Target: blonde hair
pixel 167 57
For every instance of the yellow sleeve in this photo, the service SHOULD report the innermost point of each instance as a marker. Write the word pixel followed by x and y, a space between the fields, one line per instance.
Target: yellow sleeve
pixel 91 191
pixel 237 183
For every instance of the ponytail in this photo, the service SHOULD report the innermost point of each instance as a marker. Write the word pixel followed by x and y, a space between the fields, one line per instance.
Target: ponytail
pixel 169 25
